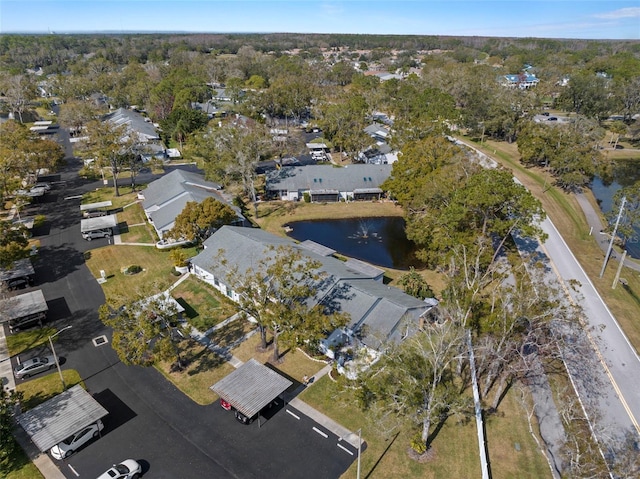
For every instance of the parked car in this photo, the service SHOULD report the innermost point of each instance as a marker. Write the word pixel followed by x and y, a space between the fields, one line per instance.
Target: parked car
pixel 225 405
pixel 73 442
pixel 17 283
pixel 127 469
pixel 552 118
pixel 34 366
pixel 89 235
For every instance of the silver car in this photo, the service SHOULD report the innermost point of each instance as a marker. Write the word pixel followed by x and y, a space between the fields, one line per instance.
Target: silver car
pixel 34 366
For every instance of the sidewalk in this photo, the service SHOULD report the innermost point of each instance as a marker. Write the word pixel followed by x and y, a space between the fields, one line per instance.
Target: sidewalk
pixel 51 471
pixel 342 432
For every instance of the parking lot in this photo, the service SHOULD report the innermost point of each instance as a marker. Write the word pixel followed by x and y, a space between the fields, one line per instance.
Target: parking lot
pixel 149 419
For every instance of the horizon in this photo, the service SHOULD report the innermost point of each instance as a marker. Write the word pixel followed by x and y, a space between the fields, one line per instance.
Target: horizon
pixel 558 20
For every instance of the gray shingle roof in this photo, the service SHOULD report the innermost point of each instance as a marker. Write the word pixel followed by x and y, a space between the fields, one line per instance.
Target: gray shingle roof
pixel 318 177
pixel 135 122
pixel 348 287
pixel 166 197
pixel 58 418
pixel 251 387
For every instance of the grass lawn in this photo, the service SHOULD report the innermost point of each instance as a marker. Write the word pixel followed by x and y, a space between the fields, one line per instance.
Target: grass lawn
pixel 139 234
pixel 127 196
pixel 295 364
pixel 272 216
pixel 132 214
pixel 204 305
pixel 43 388
pixel 25 340
pixel 22 468
pixel 156 275
pixel 204 369
pixel 455 447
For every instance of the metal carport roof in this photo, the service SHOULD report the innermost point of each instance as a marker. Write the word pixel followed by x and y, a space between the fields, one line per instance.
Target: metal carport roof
pixel 23 305
pixel 251 387
pixel 61 416
pixel 98 223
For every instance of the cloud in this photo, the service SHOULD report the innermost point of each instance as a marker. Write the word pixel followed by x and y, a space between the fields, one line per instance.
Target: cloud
pixel 631 12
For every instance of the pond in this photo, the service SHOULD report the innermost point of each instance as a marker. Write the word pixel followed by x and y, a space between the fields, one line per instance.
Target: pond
pixel 625 173
pixel 379 241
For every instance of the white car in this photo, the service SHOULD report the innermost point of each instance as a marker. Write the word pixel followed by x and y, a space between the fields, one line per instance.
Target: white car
pixel 34 366
pixel 127 469
pixel 73 442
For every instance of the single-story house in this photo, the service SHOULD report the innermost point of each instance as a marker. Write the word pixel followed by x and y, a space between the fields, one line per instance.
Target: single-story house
pixel 378 313
pixel 326 183
pixel 165 198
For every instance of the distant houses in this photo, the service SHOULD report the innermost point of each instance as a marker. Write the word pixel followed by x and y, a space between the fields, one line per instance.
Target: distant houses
pixel 523 80
pixel 143 128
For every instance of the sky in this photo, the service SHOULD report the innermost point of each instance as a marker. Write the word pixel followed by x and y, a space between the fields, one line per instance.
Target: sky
pixel 588 19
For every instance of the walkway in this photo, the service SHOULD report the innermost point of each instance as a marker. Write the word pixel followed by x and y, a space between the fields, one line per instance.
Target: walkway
pixel 50 470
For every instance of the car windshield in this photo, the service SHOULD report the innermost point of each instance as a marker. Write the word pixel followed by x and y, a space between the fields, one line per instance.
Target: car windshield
pixel 122 469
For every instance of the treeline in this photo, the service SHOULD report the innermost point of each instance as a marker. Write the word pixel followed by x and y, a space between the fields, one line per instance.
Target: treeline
pixel 53 52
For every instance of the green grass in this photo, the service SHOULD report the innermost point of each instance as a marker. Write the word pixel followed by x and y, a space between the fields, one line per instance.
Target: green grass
pixel 204 369
pixel 39 390
pixel 21 468
pixel 204 305
pixel 139 234
pixel 19 342
pixel 156 275
pixel 126 197
pixel 274 215
pixel 455 447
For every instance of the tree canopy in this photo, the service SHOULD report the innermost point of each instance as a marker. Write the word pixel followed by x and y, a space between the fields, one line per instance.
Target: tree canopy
pixel 198 221
pixel 279 294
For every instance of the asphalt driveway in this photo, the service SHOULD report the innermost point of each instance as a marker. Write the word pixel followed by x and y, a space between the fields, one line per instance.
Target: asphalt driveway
pixel 150 420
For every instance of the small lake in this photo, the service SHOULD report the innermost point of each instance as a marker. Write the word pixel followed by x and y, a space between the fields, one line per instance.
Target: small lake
pixel 626 173
pixel 379 241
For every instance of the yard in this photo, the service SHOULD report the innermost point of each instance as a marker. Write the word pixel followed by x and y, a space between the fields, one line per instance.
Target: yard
pixel 513 453
pixel 204 305
pixel 156 274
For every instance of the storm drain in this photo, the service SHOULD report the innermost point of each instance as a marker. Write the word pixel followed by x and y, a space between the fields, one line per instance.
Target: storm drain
pixel 99 341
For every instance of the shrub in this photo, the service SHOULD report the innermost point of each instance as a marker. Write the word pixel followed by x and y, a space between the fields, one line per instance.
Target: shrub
pixel 132 269
pixel 417 444
pixel 178 257
pixel 39 220
pixel 307 197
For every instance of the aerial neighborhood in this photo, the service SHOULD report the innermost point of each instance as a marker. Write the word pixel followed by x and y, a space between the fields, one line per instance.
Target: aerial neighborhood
pixel 319 255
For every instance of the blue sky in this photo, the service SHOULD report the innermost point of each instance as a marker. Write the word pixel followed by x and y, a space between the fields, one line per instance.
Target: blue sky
pixel 593 19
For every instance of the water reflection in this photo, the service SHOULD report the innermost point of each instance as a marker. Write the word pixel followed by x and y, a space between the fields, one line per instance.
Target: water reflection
pixel 379 241
pixel 625 173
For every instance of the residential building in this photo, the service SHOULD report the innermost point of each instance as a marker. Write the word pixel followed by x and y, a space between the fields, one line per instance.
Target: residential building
pixel 326 183
pixel 522 80
pixel 378 313
pixel 165 198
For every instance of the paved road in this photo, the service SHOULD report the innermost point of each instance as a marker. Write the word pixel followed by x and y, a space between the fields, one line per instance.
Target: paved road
pixel 618 403
pixel 149 418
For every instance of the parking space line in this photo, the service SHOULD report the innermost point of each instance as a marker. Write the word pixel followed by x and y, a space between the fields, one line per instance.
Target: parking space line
pixel 345 449
pixel 297 417
pixel 320 432
pixel 76 197
pixel 73 470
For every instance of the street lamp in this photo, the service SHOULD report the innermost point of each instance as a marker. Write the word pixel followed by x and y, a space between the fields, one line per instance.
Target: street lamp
pixel 359 449
pixel 55 358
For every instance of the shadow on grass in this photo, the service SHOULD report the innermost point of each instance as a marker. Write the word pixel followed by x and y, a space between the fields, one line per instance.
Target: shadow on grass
pixel 386 449
pixel 203 361
pixel 189 312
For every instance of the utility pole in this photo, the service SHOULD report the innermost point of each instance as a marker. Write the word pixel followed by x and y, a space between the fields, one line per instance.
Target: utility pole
pixel 613 236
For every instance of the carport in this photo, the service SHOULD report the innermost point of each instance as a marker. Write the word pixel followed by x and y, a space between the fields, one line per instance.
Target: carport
pixel 98 223
pixel 101 206
pixel 251 387
pixel 23 309
pixel 61 416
